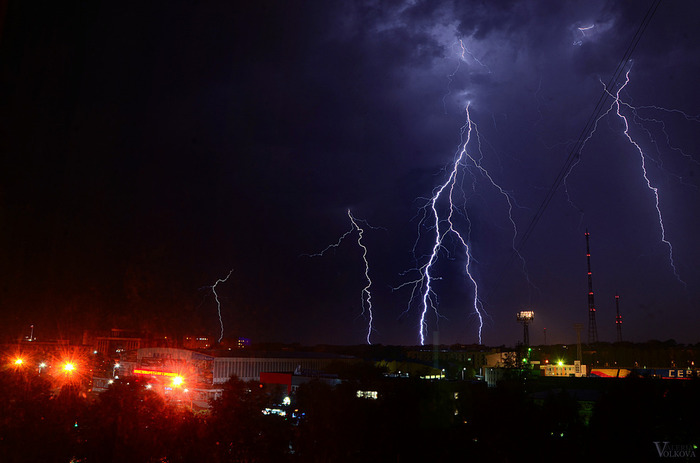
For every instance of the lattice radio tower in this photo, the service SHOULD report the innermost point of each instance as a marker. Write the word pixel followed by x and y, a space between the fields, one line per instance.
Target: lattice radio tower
pixel 618 319
pixel 592 328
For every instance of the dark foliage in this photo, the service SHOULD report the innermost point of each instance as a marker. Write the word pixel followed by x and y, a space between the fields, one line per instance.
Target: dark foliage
pixel 410 420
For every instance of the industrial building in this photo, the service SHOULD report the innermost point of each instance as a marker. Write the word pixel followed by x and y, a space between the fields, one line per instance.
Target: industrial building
pixel 200 375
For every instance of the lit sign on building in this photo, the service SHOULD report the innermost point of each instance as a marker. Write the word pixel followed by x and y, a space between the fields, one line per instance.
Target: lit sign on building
pixel 154 373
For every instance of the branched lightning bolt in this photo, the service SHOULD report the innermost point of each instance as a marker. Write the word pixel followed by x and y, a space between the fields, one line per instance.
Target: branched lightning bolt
pixel 335 245
pixel 441 225
pixel 366 295
pixel 428 299
pixel 616 106
pixel 653 189
pixel 451 76
pixel 639 119
pixel 466 51
pixel 218 303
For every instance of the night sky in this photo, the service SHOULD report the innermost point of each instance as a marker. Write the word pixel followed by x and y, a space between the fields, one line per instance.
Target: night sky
pixel 149 148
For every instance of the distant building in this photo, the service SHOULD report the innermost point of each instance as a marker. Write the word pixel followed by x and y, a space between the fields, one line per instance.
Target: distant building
pixel 472 356
pixel 248 368
pixel 234 343
pixel 196 342
pixel 500 359
pixel 293 380
pixel 200 375
pixel 117 342
pixel 559 369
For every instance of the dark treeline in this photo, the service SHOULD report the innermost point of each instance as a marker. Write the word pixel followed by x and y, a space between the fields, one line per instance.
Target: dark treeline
pixel 411 420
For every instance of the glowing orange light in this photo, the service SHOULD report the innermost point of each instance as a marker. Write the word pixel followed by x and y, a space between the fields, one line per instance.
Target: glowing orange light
pixel 69 367
pixel 177 381
pixel 19 361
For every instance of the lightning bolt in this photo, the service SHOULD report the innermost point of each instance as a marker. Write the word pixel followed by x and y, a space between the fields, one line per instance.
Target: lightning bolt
pixel 442 225
pixel 462 57
pixel 428 298
pixel 617 104
pixel 465 51
pixel 218 303
pixel 366 295
pixel 583 30
pixel 616 107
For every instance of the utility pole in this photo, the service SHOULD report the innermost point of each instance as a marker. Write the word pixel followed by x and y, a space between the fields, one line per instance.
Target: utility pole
pixel 578 327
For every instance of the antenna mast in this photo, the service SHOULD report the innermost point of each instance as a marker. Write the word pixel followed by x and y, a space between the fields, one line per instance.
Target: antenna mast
pixel 592 328
pixel 618 319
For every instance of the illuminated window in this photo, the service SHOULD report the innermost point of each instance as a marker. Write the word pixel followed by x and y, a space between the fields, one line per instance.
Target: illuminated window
pixel 367 395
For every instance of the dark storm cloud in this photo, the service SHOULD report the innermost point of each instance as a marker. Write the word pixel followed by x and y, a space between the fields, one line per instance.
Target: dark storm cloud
pixel 170 145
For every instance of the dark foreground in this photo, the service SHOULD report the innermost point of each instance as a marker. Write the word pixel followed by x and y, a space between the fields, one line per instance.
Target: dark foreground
pixel 411 420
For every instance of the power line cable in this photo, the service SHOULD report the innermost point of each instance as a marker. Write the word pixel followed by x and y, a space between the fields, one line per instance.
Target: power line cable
pixel 575 151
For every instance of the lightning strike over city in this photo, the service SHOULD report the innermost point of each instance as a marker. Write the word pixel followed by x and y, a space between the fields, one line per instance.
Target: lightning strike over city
pixel 424 283
pixel 616 107
pixel 366 295
pixel 147 149
pixel 642 160
pixel 218 303
pixel 464 162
